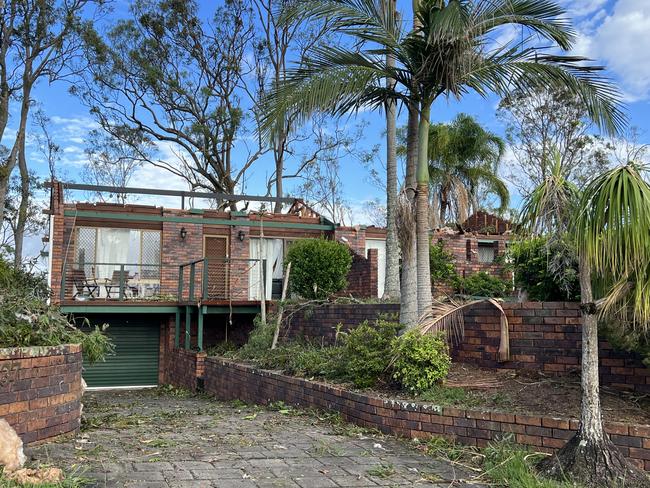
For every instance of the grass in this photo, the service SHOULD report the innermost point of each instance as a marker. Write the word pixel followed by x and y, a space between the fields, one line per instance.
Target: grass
pixel 501 464
pixel 71 480
pixel 382 471
pixel 449 396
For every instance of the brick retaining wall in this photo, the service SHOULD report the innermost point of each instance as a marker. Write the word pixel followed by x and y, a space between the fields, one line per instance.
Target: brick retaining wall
pixel 40 391
pixel 185 368
pixel 319 323
pixel 544 336
pixel 227 380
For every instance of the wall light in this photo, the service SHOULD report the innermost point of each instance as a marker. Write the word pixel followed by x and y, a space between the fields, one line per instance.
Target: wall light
pixel 183 233
pixel 241 235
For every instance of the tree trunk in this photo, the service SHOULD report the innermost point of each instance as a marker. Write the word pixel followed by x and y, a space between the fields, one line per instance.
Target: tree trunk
pixel 422 212
pixel 590 457
pixel 409 283
pixel 391 282
pixel 19 235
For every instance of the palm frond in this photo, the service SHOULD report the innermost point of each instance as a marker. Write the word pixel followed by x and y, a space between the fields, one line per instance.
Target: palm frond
pixel 613 236
pixel 449 318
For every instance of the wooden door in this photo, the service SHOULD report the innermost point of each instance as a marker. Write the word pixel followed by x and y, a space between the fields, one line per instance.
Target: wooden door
pixel 216 252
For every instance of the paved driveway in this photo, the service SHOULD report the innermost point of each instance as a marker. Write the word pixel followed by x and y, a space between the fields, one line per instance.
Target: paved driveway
pixel 155 438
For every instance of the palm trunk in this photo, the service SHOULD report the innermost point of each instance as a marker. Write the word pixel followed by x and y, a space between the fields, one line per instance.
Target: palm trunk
pixel 422 213
pixel 391 282
pixel 589 456
pixel 409 284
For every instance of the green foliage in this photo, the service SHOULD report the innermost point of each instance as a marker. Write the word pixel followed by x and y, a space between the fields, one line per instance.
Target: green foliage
pixel 28 284
pixel 546 270
pixel 621 338
pixel 443 269
pixel 367 351
pixel 319 267
pixel 448 396
pixel 420 361
pixel 483 284
pixel 27 320
pixel 513 466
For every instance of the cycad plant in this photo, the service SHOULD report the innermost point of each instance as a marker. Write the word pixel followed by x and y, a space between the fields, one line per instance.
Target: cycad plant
pixel 452 51
pixel 610 225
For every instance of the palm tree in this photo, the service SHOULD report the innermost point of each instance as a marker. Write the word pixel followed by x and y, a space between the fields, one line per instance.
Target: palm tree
pixel 449 53
pixel 463 159
pixel 610 224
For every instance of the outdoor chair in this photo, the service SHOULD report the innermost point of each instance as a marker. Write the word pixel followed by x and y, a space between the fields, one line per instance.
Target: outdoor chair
pixel 113 285
pixel 83 285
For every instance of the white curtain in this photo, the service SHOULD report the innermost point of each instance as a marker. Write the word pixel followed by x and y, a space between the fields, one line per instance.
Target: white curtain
pixel 112 247
pixel 272 251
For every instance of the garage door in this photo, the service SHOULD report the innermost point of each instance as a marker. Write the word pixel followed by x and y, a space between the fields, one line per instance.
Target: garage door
pixel 135 361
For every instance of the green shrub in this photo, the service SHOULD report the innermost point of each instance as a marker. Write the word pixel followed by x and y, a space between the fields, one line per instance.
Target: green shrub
pixel 323 362
pixel 367 352
pixel 443 267
pixel 26 321
pixel 319 268
pixel 546 272
pixel 19 281
pixel 624 339
pixel 483 284
pixel 420 361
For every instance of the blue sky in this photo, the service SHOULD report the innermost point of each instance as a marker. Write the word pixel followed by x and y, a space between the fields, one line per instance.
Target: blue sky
pixel 615 33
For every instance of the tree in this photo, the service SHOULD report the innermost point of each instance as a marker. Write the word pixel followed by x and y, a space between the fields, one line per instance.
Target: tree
pixel 112 161
pixel 463 159
pixel 282 37
pixel 391 283
pixel 38 40
pixel 181 82
pixel 542 121
pixel 610 225
pixel 447 54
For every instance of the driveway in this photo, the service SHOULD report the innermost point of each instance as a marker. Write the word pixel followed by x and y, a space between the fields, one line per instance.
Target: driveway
pixel 167 438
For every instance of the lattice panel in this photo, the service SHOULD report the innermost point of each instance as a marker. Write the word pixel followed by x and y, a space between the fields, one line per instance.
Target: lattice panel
pixel 85 250
pixel 150 255
pixel 216 250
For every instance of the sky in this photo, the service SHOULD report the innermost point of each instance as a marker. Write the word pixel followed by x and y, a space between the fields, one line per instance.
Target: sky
pixel 615 33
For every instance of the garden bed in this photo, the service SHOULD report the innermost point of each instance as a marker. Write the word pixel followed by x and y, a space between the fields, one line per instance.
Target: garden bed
pixel 469 386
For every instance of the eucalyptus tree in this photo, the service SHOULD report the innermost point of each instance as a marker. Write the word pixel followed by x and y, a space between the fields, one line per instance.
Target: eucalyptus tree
pixel 609 223
pixel 39 40
pixel 450 53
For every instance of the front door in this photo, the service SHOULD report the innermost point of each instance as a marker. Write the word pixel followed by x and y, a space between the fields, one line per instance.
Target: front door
pixel 216 252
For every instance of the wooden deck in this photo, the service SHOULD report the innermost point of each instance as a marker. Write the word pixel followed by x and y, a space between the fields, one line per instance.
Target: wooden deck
pixel 160 307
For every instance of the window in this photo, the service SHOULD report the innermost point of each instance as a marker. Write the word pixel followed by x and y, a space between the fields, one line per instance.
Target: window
pixel 487 251
pixel 100 251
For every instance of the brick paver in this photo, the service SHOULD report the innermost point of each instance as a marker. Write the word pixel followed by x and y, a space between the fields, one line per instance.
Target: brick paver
pixel 153 439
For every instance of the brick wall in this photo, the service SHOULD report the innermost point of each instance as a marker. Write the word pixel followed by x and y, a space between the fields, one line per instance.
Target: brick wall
pixel 464 249
pixel 363 276
pixel 184 368
pixel 545 336
pixel 40 390
pixel 230 381
pixel 354 237
pixel 319 323
pixel 176 251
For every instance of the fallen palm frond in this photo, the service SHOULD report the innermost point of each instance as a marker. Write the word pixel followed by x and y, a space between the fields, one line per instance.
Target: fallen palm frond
pixel 449 318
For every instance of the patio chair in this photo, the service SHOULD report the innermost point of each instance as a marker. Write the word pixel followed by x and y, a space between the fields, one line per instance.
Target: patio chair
pixel 83 285
pixel 113 285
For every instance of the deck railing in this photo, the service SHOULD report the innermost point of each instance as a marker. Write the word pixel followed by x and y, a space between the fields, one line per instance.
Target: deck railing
pixel 199 280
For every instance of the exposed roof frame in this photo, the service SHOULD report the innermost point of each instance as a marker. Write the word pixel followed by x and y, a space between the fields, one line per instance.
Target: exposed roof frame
pixel 173 193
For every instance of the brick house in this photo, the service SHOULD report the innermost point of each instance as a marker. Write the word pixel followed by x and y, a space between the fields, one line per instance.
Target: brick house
pixel 168 277
pixel 476 246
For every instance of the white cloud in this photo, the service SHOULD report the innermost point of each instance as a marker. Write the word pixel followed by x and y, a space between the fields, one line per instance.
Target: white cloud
pixel 621 42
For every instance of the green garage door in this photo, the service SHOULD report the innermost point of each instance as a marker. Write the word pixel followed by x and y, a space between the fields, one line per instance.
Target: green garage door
pixel 135 361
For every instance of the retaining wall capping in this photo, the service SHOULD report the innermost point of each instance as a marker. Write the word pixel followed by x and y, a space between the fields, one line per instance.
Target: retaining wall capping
pixel 544 336
pixel 227 380
pixel 40 391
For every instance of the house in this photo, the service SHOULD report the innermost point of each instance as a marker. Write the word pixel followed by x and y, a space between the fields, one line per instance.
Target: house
pixel 476 246
pixel 181 277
